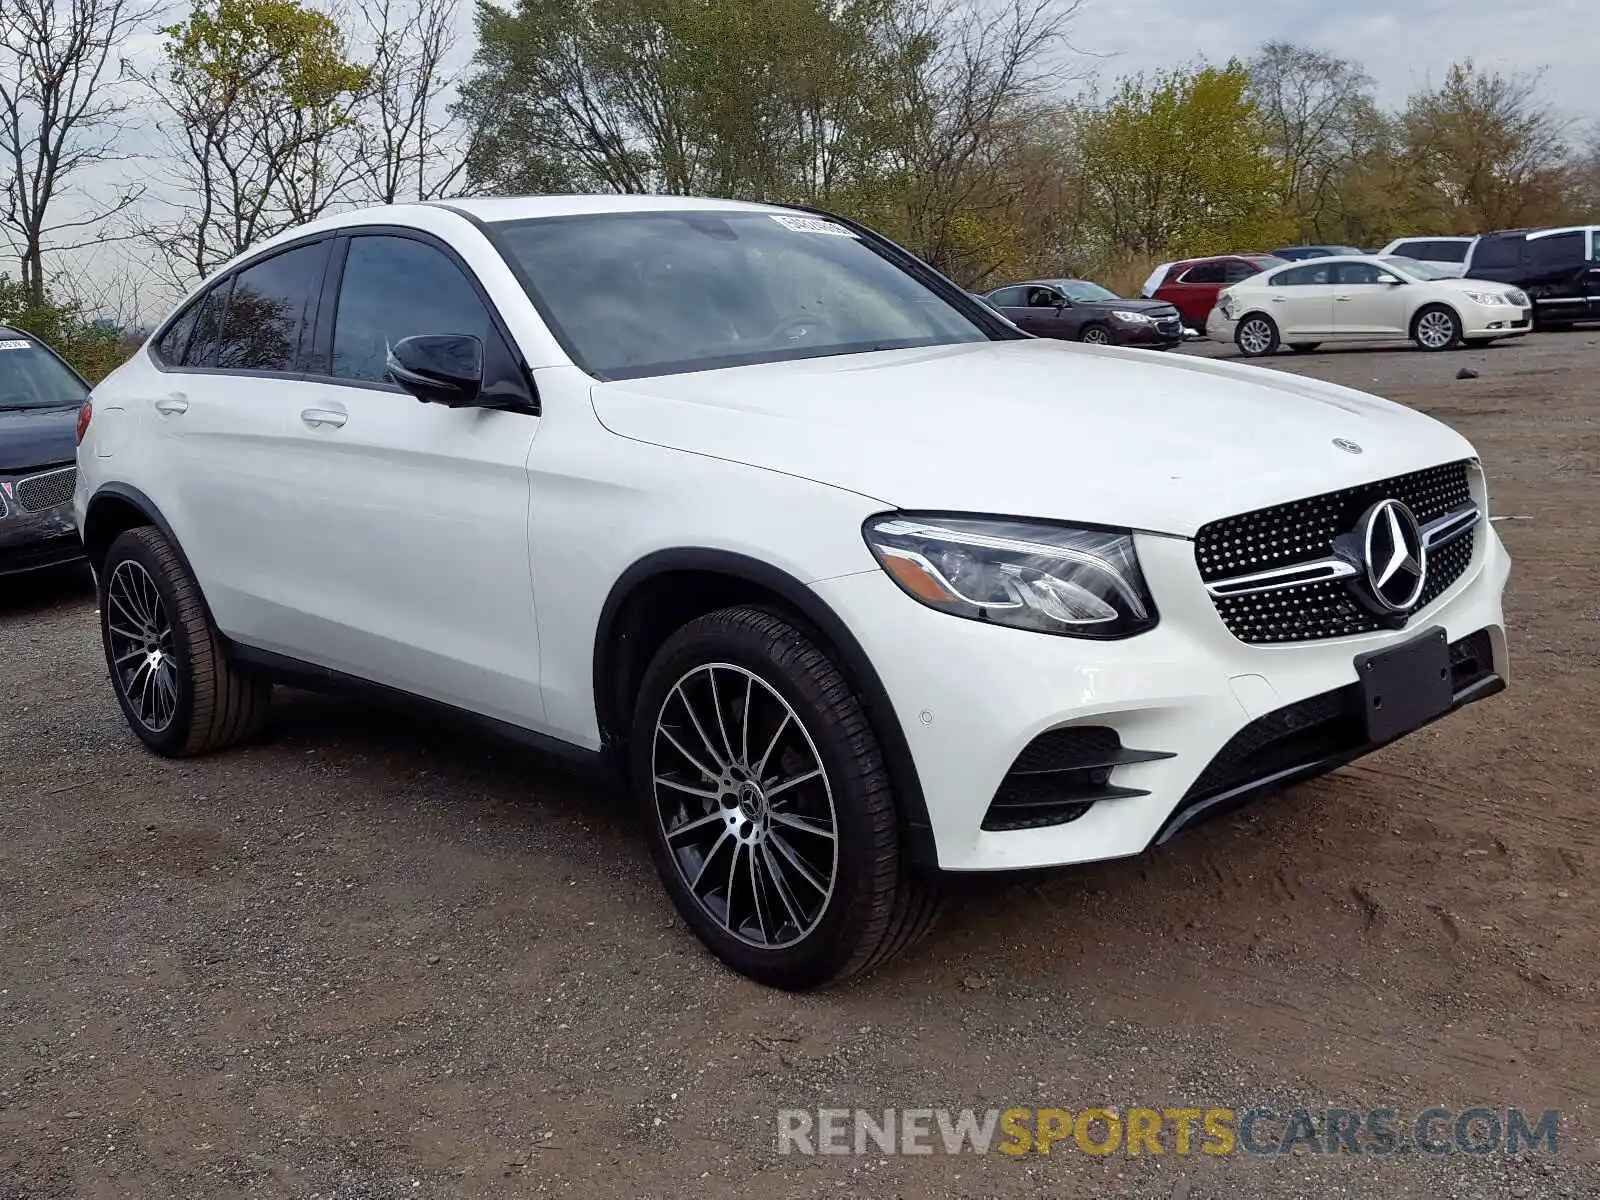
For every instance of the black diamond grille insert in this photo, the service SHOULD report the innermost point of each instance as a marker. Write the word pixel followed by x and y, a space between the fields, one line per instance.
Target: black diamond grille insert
pixel 1303 531
pixel 46 490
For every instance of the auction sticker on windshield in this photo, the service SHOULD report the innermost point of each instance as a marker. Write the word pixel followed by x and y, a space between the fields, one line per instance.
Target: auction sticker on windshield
pixel 15 344
pixel 812 225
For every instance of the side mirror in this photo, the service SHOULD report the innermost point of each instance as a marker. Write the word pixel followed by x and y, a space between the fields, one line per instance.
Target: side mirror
pixel 1393 281
pixel 439 368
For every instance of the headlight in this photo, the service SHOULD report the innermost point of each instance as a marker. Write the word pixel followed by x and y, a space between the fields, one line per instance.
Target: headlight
pixel 1489 298
pixel 1048 578
pixel 1132 318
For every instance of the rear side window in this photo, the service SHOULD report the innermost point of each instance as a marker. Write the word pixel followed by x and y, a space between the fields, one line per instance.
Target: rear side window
pixel 1306 276
pixel 176 339
pixel 207 337
pixel 1011 297
pixel 1556 251
pixel 1237 271
pixel 1210 272
pixel 393 288
pixel 1497 252
pixel 266 323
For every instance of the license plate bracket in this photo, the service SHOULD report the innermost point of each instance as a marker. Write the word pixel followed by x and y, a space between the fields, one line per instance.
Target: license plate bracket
pixel 1405 686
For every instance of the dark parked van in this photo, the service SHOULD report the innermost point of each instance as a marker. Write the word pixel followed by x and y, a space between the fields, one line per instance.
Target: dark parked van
pixel 1558 268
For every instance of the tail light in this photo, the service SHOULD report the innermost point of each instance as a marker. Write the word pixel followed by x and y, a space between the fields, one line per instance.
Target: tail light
pixel 85 415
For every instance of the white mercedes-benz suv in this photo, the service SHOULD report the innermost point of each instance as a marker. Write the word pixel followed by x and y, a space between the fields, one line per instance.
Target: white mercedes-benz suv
pixel 852 580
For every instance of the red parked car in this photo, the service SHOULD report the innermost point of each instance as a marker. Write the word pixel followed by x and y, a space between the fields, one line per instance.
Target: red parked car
pixel 1192 286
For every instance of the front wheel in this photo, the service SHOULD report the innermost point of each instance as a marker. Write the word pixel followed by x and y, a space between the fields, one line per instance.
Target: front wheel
pixel 1436 328
pixel 1095 335
pixel 767 804
pixel 1256 336
pixel 168 667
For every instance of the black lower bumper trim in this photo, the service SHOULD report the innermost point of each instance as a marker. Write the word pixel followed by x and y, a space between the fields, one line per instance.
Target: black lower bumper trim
pixel 1315 747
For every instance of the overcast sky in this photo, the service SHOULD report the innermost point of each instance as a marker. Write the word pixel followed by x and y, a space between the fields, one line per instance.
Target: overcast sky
pixel 1403 44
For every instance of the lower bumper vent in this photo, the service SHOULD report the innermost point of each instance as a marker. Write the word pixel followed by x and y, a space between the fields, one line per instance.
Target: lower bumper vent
pixel 1060 775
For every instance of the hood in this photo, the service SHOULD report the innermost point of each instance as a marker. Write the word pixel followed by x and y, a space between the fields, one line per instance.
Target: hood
pixel 1144 306
pixel 37 437
pixel 1037 428
pixel 1473 285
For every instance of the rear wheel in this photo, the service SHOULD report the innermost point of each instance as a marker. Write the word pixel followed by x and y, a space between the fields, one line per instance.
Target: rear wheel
pixel 1095 335
pixel 172 678
pixel 1436 327
pixel 1304 347
pixel 1256 336
pixel 768 806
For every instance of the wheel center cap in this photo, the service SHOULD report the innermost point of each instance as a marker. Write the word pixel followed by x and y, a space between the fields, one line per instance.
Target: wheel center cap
pixel 751 802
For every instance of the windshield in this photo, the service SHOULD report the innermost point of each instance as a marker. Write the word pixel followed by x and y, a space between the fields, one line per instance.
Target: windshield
pixel 33 377
pixel 1079 289
pixel 1415 269
pixel 655 293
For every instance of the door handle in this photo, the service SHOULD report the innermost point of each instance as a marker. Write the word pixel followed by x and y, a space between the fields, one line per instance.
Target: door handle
pixel 1342 299
pixel 171 406
pixel 1277 299
pixel 316 417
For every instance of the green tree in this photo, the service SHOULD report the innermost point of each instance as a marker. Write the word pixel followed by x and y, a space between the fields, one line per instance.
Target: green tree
pixel 264 98
pixel 92 347
pixel 1484 151
pixel 1179 164
pixel 747 98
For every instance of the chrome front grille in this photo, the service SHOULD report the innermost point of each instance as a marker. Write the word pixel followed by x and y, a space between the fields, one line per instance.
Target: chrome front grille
pixel 1303 532
pixel 46 489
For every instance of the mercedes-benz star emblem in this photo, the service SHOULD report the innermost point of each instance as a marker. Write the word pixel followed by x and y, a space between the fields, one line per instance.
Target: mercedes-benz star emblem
pixel 1395 558
pixel 1347 445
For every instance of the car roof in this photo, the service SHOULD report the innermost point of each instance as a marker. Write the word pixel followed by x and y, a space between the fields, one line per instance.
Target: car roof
pixel 1435 237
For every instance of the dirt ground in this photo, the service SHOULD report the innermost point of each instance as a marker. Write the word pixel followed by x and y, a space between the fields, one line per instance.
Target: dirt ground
pixel 371 959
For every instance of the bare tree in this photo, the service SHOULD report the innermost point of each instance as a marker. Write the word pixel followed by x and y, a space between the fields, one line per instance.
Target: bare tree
pixel 414 146
pixel 1319 116
pixel 969 71
pixel 60 112
pixel 263 136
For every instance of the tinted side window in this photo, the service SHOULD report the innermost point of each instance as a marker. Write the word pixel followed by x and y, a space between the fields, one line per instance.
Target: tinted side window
pixel 271 310
pixel 1306 276
pixel 1011 297
pixel 1203 273
pixel 1357 273
pixel 1557 250
pixel 203 346
pixel 1498 252
pixel 176 339
pixel 1237 272
pixel 394 288
pixel 1451 252
pixel 1041 297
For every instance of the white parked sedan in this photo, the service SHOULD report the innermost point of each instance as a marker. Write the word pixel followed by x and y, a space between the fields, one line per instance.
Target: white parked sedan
pixel 1364 298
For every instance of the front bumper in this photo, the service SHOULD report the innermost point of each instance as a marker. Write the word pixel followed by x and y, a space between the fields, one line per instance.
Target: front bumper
pixel 1149 336
pixel 38 541
pixel 970 697
pixel 1494 320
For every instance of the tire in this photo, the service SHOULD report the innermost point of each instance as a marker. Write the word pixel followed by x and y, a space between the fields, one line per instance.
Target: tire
pixel 1436 327
pixel 172 678
pixel 1256 336
pixel 1095 335
pixel 723 696
pixel 1304 347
